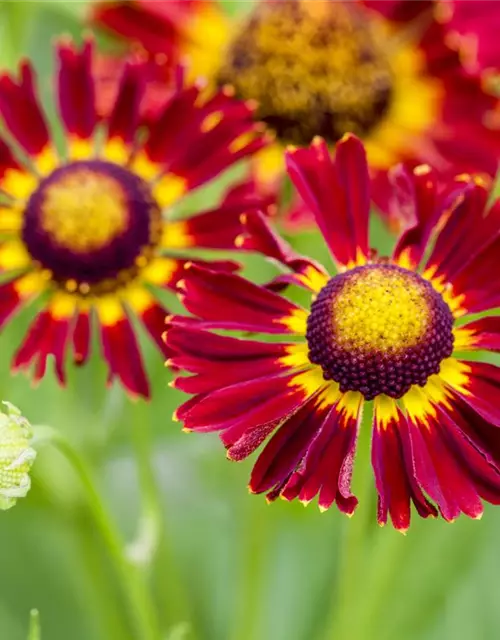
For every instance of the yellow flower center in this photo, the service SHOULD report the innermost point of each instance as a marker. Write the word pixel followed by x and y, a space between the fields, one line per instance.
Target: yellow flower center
pixel 379 329
pixel 315 68
pixel 91 226
pixel 84 210
pixel 382 310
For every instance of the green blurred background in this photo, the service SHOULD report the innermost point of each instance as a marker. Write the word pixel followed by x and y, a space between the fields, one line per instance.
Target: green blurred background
pixel 229 567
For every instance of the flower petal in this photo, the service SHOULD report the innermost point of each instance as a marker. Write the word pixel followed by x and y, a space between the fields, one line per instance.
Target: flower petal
pixel 479 334
pixel 121 352
pixel 48 335
pixel 21 111
pixel 259 236
pixel 243 405
pixel 76 89
pixel 337 192
pixel 326 468
pixel 229 301
pixel 393 467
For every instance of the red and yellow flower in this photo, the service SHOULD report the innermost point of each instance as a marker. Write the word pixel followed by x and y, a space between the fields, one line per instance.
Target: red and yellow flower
pixel 387 333
pixel 400 74
pixel 89 228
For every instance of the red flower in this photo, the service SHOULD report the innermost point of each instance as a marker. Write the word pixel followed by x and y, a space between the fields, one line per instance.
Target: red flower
pixel 392 330
pixel 92 229
pixel 400 74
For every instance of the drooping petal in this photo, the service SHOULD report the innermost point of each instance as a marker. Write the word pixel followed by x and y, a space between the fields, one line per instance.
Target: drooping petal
pixel 326 467
pixel 287 448
pixel 392 463
pixel 439 472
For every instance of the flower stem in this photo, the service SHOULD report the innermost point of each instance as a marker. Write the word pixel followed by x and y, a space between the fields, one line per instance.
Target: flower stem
pixel 34 632
pixel 141 607
pixel 344 614
pixel 143 549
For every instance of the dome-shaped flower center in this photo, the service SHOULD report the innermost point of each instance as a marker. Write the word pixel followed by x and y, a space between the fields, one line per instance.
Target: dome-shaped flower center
pixel 91 224
pixel 84 210
pixel 315 68
pixel 379 329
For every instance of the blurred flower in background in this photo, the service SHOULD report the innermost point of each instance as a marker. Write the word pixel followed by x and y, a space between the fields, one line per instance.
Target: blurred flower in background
pixel 16 456
pixel 396 73
pixel 382 329
pixel 87 227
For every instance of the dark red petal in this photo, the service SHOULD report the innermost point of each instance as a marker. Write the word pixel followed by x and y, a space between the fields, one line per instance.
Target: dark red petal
pixel 485 333
pixel 153 319
pixel 483 390
pixel 121 351
pixel 394 476
pixel 414 205
pixel 475 284
pixel 400 10
pixel 152 24
pixel 76 89
pixel 198 141
pixel 7 159
pixel 287 447
pixel 259 236
pixel 439 472
pixel 123 119
pixel 220 360
pixel 340 203
pixel 21 110
pixel 326 469
pixel 81 338
pixel 243 403
pixel 466 234
pixel 46 336
pixel 232 302
pixel 10 301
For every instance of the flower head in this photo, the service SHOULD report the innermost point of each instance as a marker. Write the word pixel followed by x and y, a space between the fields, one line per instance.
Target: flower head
pixel 386 334
pixel 16 456
pixel 400 74
pixel 92 228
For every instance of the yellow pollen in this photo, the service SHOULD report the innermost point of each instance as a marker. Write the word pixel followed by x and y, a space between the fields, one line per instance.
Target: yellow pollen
pixel 84 211
pixel 380 310
pixel 313 67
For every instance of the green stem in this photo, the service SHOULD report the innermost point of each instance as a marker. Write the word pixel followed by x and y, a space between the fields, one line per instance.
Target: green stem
pixel 34 630
pixel 141 608
pixel 345 619
pixel 143 549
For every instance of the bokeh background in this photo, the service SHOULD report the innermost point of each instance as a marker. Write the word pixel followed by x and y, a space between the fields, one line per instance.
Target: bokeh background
pixel 229 567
